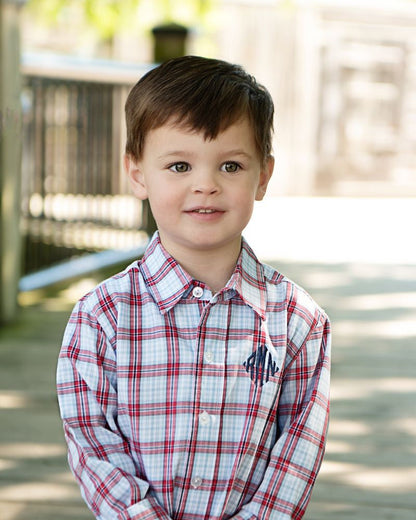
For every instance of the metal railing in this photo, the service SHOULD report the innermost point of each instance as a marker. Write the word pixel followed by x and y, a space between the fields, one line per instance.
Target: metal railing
pixel 75 197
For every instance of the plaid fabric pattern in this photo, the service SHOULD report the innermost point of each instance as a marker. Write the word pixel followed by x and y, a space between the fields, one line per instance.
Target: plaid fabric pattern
pixel 181 404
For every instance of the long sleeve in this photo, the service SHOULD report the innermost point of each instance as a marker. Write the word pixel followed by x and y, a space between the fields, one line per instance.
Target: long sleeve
pixel 99 456
pixel 303 420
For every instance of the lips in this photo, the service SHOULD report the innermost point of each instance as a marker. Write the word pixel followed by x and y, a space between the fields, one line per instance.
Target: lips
pixel 204 211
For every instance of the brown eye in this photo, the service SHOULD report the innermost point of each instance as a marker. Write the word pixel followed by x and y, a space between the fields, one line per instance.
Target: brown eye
pixel 230 167
pixel 180 167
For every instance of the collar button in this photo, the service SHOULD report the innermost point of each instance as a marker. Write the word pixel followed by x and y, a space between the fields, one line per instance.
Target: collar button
pixel 197 292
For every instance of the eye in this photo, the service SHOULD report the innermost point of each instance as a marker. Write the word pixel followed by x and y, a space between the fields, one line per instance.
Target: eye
pixel 180 167
pixel 230 167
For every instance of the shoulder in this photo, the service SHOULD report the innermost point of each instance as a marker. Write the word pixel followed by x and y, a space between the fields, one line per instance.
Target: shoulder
pixel 300 307
pixel 107 296
pixel 306 325
pixel 98 314
pixel 283 296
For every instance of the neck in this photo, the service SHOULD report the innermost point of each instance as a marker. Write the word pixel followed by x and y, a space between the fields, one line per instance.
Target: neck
pixel 208 271
pixel 213 268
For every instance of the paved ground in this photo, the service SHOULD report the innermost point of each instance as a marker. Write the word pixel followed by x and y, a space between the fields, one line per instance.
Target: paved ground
pixel 369 471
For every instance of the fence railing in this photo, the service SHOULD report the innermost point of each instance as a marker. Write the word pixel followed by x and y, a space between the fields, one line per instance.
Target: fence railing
pixel 75 197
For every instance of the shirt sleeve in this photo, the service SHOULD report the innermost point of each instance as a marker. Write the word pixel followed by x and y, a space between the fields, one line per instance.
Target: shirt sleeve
pixel 303 422
pixel 98 454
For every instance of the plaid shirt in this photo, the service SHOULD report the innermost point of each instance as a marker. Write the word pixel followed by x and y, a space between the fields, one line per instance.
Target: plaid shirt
pixel 181 404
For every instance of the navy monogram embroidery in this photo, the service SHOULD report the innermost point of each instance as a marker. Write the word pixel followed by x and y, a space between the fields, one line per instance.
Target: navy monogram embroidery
pixel 260 365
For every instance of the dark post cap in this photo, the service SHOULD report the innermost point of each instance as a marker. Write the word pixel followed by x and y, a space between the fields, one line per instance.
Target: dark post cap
pixel 173 29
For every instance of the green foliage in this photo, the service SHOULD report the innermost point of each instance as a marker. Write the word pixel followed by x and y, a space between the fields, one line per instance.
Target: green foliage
pixel 47 10
pixel 107 17
pixel 194 8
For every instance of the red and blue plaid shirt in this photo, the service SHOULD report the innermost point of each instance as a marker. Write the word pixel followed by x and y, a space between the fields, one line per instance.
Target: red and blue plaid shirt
pixel 181 404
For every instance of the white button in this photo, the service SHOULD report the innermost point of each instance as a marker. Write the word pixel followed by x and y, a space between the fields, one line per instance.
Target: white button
pixel 204 418
pixel 198 292
pixel 196 482
pixel 209 357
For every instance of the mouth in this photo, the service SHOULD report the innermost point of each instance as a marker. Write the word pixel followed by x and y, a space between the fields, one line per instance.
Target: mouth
pixel 205 215
pixel 204 211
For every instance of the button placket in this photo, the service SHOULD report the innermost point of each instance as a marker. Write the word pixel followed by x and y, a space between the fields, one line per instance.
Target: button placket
pixel 207 425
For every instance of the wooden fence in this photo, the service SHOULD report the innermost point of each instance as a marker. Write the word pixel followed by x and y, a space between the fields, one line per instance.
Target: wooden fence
pixel 75 197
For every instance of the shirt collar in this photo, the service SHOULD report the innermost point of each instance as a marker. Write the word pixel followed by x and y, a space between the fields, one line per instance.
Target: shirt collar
pixel 249 280
pixel 168 283
pixel 165 279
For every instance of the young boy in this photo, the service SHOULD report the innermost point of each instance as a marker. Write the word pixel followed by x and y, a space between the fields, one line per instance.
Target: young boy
pixel 194 384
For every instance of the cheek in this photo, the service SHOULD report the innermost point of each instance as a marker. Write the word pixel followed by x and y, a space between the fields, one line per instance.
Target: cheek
pixel 158 204
pixel 245 196
pixel 163 202
pixel 243 205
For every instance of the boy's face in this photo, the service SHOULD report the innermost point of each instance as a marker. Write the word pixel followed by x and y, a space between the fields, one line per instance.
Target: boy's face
pixel 201 191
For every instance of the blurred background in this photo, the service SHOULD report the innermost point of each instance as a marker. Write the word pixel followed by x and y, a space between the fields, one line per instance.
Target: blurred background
pixel 339 217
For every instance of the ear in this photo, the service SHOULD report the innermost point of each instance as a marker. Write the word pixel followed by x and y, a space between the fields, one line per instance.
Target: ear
pixel 265 175
pixel 135 175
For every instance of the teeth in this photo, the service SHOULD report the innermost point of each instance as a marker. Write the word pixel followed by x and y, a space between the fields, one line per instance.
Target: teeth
pixel 205 210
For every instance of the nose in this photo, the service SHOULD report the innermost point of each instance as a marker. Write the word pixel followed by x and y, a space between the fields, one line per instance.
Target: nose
pixel 205 182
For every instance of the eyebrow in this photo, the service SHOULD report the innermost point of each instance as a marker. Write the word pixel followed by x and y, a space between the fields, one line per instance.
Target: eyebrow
pixel 238 152
pixel 175 153
pixel 189 154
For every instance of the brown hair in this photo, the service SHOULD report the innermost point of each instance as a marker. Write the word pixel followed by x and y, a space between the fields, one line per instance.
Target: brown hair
pixel 203 94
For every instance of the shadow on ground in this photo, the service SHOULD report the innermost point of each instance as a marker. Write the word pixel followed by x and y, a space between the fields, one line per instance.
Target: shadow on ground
pixel 35 482
pixel 369 470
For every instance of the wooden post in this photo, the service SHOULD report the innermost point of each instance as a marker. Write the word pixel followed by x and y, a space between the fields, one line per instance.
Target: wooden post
pixel 10 157
pixel 169 42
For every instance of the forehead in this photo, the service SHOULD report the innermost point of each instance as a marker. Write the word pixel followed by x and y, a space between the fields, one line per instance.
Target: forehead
pixel 175 135
pixel 240 130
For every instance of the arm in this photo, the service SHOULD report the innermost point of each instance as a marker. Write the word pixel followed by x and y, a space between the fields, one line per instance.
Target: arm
pixel 99 456
pixel 303 420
